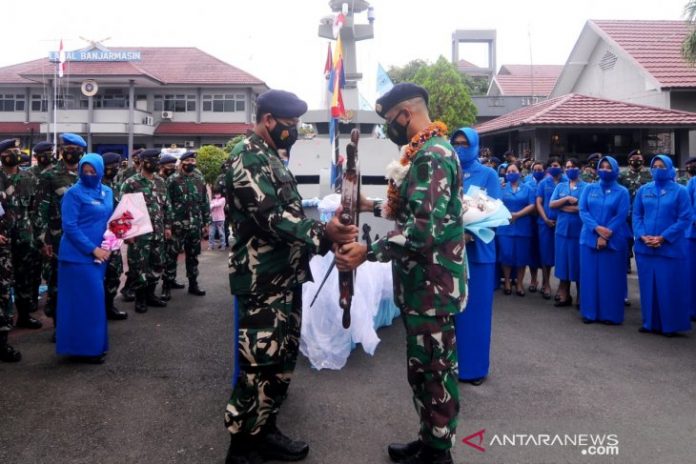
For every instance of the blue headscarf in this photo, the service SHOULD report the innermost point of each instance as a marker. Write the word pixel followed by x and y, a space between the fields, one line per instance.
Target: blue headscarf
pixel 468 156
pixel 662 176
pixel 91 185
pixel 606 178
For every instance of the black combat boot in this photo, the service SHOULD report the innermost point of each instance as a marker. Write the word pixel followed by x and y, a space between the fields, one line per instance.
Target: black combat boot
pixel 7 353
pixel 152 299
pixel 400 451
pixel 176 285
pixel 428 455
pixel 24 319
pixel 127 294
pixel 194 289
pixel 276 446
pixel 242 450
pixel 166 290
pixel 141 300
pixel 112 312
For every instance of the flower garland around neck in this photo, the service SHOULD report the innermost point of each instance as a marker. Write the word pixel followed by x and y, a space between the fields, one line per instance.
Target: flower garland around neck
pixel 397 170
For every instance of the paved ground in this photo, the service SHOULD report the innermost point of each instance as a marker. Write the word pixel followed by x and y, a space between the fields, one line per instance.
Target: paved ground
pixel 159 397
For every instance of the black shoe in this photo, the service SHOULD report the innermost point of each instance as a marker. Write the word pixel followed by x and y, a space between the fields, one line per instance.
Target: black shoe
pixel 112 313
pixel 644 330
pixel 400 451
pixel 28 322
pixel 166 291
pixel 141 300
pixel 128 295
pixel 276 446
pixel 561 303
pixel 7 353
pixel 587 321
pixel 627 302
pixel 194 289
pixel 428 455
pixel 477 382
pixel 89 359
pixel 241 451
pixel 176 285
pixel 152 299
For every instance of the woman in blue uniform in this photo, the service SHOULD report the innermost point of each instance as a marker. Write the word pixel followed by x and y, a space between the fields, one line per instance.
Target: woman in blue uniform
pixel 547 221
pixel 564 201
pixel 537 174
pixel 604 207
pixel 473 326
pixel 515 240
pixel 661 215
pixel 691 239
pixel 86 208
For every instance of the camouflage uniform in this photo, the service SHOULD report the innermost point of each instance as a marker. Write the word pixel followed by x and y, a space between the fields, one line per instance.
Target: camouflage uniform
pixel 268 264
pixel 18 205
pixel 190 213
pixel 589 177
pixel 53 184
pixel 146 253
pixel 633 180
pixel 125 174
pixel 427 252
pixel 6 310
pixel 38 260
pixel 114 268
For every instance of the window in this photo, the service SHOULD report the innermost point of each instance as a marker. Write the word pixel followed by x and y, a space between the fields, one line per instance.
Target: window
pixel 111 98
pixel 10 102
pixel 39 103
pixel 224 103
pixel 179 103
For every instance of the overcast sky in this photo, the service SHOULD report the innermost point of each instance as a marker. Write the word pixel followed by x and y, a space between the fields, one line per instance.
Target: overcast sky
pixel 277 41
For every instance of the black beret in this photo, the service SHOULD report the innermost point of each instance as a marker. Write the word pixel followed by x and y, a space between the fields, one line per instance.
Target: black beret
pixel 281 104
pixel 495 160
pixel 594 157
pixel 111 158
pixel 691 160
pixel 24 158
pixel 400 92
pixel 167 159
pixel 9 143
pixel 193 154
pixel 509 153
pixel 150 153
pixel 42 147
pixel 635 152
pixel 137 152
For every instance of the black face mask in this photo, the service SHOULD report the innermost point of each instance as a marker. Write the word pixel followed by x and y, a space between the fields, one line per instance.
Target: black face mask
pixel 10 161
pixel 167 172
pixel 149 166
pixel 110 173
pixel 72 158
pixel 43 160
pixel 636 163
pixel 396 132
pixel 283 136
pixel 691 170
pixel 189 168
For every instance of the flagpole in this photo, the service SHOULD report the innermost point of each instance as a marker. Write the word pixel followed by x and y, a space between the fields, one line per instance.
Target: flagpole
pixel 55 108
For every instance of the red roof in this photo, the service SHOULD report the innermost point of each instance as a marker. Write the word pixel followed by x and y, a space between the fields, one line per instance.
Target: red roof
pixel 583 111
pixel 18 128
pixel 519 80
pixel 185 65
pixel 656 46
pixel 204 128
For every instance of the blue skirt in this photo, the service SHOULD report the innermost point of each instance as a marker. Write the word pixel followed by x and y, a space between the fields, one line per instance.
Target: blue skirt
pixel 692 277
pixel 567 250
pixel 663 293
pixel 602 284
pixel 81 320
pixel 535 257
pixel 473 326
pixel 546 240
pixel 515 251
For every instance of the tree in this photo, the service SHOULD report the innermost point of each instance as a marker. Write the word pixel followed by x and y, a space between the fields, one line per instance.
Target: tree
pixel 450 101
pixel 406 73
pixel 209 161
pixel 229 146
pixel 689 44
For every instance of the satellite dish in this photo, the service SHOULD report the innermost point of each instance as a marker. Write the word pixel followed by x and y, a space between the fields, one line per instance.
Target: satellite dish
pixel 89 88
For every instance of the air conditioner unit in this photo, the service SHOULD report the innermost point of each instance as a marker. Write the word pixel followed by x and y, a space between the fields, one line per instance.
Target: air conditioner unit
pixel 148 120
pixel 189 144
pixel 167 114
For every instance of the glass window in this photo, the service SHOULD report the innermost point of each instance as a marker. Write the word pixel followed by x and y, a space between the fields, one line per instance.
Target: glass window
pixel 224 103
pixel 10 102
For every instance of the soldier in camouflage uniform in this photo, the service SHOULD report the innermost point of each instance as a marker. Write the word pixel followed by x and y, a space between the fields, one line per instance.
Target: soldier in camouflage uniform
pixel 43 152
pixel 146 253
pixel 53 184
pixel 269 262
pixel 114 268
pixel 123 174
pixel 427 252
pixel 7 352
pixel 589 170
pixel 190 219
pixel 689 165
pixel 167 166
pixel 18 198
pixel 633 178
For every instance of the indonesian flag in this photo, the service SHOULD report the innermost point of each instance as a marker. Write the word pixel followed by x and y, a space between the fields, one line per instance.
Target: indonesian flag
pixel 328 66
pixel 338 24
pixel 61 59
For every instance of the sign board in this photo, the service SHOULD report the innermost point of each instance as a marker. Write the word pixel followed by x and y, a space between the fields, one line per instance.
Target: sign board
pixel 97 55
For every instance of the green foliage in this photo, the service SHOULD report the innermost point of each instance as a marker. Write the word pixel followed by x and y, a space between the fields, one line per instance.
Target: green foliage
pixel 450 101
pixel 209 160
pixel 232 142
pixel 406 73
pixel 689 45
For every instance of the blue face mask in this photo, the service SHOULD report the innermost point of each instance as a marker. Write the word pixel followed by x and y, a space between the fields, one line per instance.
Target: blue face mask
pixel 89 181
pixel 538 175
pixel 607 176
pixel 661 176
pixel 555 171
pixel 572 173
pixel 512 177
pixel 466 155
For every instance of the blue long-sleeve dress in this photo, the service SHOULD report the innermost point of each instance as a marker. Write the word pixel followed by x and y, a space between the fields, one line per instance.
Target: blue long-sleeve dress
pixel 546 236
pixel 515 240
pixel 567 233
pixel 691 246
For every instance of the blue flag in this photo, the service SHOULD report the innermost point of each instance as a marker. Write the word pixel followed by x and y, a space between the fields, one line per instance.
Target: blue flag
pixel 384 82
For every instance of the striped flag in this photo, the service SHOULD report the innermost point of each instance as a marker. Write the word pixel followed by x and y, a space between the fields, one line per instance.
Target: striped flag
pixel 61 59
pixel 337 82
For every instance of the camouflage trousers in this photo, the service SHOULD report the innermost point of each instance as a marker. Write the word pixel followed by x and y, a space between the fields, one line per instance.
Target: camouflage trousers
pixel 6 312
pixel 145 260
pixel 24 259
pixel 50 272
pixel 268 343
pixel 188 240
pixel 114 269
pixel 431 351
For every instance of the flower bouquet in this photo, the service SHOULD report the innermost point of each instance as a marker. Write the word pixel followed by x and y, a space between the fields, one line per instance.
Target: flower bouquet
pixel 482 213
pixel 130 219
